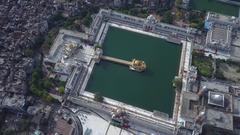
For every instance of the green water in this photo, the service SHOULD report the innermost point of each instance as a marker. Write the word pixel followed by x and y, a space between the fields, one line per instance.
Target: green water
pixel 150 90
pixel 215 6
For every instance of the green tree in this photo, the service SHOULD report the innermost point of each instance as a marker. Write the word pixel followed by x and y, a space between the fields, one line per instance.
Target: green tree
pixel 39 41
pixel 179 15
pixel 238 70
pixel 136 1
pixel 38 85
pixel 9 132
pixel 98 46
pixel 177 83
pixel 56 20
pixel 28 52
pixel 87 20
pixel 61 90
pixel 36 77
pixel 196 20
pixel 98 97
pixel 47 97
pixel 24 124
pixel 167 17
pixel 203 64
pixel 47 84
pixel 178 2
pixel 134 11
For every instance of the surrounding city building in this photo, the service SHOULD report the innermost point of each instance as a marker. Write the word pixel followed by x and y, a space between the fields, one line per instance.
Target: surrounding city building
pixel 221 29
pixel 62 127
pixel 231 2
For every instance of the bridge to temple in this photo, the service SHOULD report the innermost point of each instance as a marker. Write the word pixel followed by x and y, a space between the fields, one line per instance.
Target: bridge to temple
pixel 116 60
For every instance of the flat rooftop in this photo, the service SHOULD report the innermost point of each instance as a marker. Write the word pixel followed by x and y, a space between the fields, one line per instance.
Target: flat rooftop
pixel 220 119
pixel 189 105
pixel 61 49
pixel 216 99
pixel 219 36
pixel 150 90
pixel 236 106
pixel 222 18
pixel 215 6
